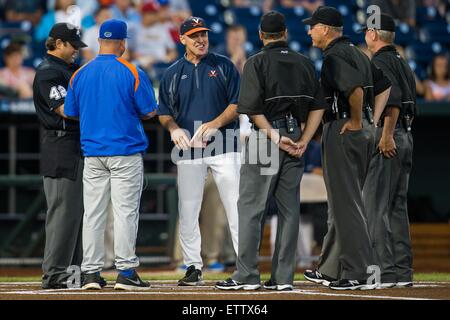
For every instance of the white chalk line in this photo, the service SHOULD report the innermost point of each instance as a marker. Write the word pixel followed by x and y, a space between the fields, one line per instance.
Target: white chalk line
pixel 160 293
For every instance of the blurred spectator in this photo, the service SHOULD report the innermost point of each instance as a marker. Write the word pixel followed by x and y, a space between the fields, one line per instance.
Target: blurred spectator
pixel 234 48
pixel 153 43
pixel 170 19
pixel 20 10
pixel 123 10
pixel 90 36
pixel 87 7
pixel 437 87
pixel 265 5
pixel 177 10
pixel 440 5
pixel 14 75
pixel 403 10
pixel 59 14
pixel 310 5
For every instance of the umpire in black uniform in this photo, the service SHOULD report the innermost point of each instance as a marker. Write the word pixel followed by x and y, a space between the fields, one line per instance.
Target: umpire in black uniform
pixel 61 161
pixel 350 82
pixel 386 187
pixel 278 91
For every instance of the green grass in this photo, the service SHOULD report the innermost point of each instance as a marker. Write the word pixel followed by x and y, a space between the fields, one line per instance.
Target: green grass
pixel 111 276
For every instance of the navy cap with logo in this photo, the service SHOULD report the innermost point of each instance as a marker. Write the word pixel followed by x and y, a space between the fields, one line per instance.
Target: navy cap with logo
pixel 386 23
pixel 326 15
pixel 67 32
pixel 113 29
pixel 192 25
pixel 272 22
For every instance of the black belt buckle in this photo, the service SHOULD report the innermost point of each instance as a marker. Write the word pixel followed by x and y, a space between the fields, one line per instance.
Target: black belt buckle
pixel 291 124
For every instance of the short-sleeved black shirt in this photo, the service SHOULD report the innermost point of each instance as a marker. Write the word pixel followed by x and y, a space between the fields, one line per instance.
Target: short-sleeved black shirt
pixel 345 68
pixel 60 146
pixel 403 91
pixel 278 81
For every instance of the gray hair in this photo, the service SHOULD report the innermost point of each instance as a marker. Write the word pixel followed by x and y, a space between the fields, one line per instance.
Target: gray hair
pixel 386 36
pixel 336 29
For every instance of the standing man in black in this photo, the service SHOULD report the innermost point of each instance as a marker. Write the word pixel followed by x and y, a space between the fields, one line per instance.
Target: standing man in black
pixel 279 91
pixel 350 82
pixel 386 187
pixel 61 161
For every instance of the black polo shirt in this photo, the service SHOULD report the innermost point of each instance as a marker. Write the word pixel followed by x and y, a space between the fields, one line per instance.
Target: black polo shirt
pixel 345 68
pixel 278 81
pixel 60 145
pixel 403 91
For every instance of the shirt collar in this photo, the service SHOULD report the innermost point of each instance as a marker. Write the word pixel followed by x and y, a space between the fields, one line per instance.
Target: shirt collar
pixel 57 60
pixel 388 48
pixel 276 44
pixel 339 39
pixel 201 60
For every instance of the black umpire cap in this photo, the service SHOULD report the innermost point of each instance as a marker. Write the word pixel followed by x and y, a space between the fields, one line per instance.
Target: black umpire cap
pixel 67 32
pixel 386 23
pixel 273 22
pixel 326 15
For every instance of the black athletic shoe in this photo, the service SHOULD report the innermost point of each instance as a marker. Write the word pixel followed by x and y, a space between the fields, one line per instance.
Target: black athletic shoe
pixel 316 277
pixel 132 283
pixel 231 284
pixel 272 285
pixel 47 286
pixel 345 284
pixel 405 284
pixel 92 281
pixel 193 277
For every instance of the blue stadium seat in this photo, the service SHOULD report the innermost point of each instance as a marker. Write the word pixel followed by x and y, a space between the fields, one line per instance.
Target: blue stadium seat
pixel 405 35
pixel 250 19
pixel 437 31
pixel 205 8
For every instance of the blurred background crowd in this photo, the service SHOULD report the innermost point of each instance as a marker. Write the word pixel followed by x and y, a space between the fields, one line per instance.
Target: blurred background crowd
pixel 423 33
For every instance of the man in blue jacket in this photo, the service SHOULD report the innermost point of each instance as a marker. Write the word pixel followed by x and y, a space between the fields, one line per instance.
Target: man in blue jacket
pixel 197 105
pixel 111 96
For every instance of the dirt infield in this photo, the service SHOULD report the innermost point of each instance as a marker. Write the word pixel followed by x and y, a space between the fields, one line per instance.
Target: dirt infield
pixel 168 290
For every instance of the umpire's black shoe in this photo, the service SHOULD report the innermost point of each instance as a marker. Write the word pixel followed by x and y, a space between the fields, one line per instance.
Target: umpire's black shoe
pixel 317 277
pixel 47 286
pixel 193 277
pixel 272 285
pixel 345 284
pixel 231 284
pixel 92 281
pixel 131 283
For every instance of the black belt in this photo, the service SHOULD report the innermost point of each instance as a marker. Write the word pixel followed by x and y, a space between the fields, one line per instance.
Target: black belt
pixel 277 124
pixel 62 133
pixel 329 116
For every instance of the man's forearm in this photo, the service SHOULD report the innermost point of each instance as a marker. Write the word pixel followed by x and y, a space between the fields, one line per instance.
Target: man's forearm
pixel 313 122
pixel 230 114
pixel 356 103
pixel 168 122
pixel 390 120
pixel 380 103
pixel 263 124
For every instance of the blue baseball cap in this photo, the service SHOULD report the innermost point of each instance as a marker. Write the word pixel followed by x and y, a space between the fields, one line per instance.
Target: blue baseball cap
pixel 113 29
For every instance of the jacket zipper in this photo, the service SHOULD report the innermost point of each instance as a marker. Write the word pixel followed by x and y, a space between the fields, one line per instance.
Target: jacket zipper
pixel 196 77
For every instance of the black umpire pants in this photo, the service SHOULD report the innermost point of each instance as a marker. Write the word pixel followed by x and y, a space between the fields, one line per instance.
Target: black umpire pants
pixel 385 198
pixel 63 225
